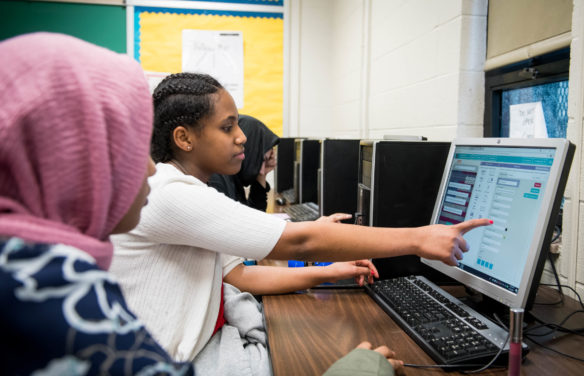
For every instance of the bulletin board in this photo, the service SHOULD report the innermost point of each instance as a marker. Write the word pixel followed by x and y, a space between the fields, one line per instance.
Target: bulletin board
pixel 158 48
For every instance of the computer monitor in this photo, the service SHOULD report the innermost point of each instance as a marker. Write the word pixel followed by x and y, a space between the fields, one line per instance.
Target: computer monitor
pixel 405 183
pixel 339 166
pixel 284 171
pixel 519 184
pixel 306 165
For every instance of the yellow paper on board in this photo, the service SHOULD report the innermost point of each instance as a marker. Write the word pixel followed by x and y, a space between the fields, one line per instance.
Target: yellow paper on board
pixel 263 55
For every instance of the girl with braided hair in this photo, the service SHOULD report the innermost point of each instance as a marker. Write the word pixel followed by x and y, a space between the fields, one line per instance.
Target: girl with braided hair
pixel 191 238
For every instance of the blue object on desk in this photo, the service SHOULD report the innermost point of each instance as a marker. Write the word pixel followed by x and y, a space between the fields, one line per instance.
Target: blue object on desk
pixel 317 263
pixel 295 263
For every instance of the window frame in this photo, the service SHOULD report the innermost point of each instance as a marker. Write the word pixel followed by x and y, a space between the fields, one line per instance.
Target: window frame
pixel 551 67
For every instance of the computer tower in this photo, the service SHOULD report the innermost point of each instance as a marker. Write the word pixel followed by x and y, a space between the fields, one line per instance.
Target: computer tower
pixel 338 176
pixel 306 165
pixel 364 179
pixel 284 171
pixel 405 178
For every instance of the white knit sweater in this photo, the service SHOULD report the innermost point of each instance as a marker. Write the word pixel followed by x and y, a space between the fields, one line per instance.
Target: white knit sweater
pixel 171 266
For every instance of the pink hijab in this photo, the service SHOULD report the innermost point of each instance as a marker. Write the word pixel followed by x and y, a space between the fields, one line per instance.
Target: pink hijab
pixel 75 126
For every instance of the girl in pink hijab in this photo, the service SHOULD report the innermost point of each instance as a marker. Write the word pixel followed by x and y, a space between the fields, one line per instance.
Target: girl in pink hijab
pixel 75 126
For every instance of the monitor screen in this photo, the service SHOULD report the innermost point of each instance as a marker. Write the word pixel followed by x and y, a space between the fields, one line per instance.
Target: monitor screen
pixel 518 183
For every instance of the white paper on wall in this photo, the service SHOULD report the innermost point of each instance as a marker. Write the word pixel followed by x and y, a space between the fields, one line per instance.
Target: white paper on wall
pixel 527 121
pixel 217 53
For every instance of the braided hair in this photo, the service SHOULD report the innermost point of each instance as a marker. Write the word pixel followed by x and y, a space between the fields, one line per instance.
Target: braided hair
pixel 180 99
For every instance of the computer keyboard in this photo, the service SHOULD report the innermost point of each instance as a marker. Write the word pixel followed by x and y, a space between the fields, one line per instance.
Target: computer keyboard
pixel 289 195
pixel 448 330
pixel 307 211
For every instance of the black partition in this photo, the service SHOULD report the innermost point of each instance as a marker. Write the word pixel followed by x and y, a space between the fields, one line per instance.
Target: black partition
pixel 339 177
pixel 405 183
pixel 308 163
pixel 284 172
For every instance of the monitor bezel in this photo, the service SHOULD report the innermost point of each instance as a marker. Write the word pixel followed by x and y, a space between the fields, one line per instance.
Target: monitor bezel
pixel 549 203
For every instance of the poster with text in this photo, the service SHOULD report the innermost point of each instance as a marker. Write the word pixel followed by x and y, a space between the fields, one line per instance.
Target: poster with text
pixel 217 53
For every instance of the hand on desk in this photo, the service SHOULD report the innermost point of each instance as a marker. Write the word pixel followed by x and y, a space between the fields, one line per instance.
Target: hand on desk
pixel 363 360
pixel 361 270
pixel 398 365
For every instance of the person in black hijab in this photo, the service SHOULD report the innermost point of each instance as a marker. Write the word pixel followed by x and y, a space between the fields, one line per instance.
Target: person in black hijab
pixel 260 159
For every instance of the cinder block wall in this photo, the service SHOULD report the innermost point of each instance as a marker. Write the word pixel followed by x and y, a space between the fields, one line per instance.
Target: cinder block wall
pixel 366 68
pixel 427 68
pixel 374 67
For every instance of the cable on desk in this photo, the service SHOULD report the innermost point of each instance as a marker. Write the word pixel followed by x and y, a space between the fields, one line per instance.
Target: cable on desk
pixel 554 350
pixel 500 348
pixel 558 232
pixel 570 288
pixel 445 365
pixel 558 284
pixel 555 327
pixel 559 327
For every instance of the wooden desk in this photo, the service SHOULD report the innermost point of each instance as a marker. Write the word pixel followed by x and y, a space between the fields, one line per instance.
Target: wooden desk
pixel 307 332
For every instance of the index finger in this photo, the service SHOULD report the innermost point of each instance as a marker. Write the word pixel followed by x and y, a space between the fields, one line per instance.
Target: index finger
pixel 466 226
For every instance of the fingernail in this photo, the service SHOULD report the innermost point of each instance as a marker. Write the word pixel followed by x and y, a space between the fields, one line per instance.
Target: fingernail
pixel 490 221
pixel 372 272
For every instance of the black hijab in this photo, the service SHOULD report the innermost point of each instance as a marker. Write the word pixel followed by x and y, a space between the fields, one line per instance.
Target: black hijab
pixel 260 139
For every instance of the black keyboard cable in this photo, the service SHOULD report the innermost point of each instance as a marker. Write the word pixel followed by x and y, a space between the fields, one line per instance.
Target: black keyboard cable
pixel 484 367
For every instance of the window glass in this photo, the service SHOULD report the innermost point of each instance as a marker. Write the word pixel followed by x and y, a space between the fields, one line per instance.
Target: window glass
pixel 554 99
